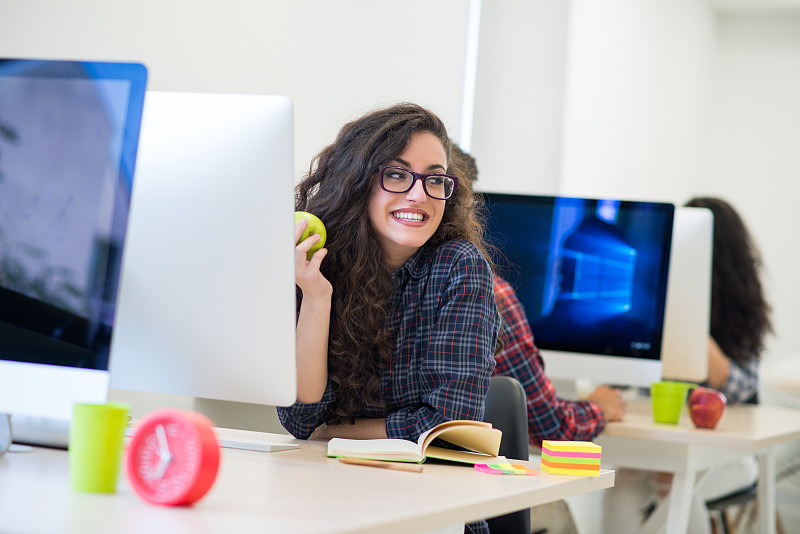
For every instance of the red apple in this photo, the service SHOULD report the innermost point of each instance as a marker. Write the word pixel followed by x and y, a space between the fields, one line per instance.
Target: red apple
pixel 706 407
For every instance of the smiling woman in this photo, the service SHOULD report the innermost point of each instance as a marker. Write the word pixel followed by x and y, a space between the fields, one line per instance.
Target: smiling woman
pixel 403 213
pixel 397 323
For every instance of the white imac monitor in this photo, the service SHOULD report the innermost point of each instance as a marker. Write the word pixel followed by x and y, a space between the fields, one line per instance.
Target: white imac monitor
pixel 592 277
pixel 68 142
pixel 207 297
pixel 684 355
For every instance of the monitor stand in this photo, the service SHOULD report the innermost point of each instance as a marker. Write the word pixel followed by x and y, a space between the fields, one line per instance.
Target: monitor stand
pixel 7 443
pixel 246 426
pixel 40 431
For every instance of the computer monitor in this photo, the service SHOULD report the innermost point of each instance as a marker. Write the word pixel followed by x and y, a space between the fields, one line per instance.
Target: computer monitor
pixel 687 324
pixel 592 277
pixel 207 298
pixel 68 142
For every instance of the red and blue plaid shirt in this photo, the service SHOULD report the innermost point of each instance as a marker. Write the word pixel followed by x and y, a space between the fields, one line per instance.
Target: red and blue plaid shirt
pixel 549 417
pixel 447 322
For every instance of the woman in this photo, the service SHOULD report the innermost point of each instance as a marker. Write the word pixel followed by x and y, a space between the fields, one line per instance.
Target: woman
pixel 397 322
pixel 740 322
pixel 740 314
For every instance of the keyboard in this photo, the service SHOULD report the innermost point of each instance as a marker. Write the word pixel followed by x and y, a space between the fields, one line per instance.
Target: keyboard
pixel 262 445
pixel 256 441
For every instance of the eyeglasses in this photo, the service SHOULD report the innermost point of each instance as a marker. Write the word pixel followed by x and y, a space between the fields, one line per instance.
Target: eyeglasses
pixel 399 180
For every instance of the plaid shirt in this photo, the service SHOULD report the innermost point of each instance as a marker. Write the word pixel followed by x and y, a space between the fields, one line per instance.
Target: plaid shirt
pixel 742 384
pixel 549 417
pixel 447 322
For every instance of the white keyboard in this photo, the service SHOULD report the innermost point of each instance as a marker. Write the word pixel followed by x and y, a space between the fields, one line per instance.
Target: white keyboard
pixel 256 444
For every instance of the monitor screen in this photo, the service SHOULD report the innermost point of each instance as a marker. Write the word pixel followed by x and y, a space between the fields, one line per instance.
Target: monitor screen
pixel 68 143
pixel 207 299
pixel 590 273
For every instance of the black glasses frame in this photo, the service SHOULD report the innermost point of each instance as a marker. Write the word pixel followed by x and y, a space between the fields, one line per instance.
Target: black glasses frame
pixel 418 176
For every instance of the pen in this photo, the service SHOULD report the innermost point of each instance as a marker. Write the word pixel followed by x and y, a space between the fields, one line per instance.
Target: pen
pixel 415 468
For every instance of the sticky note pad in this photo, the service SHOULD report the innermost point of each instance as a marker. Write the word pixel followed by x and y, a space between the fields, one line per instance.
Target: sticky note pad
pixel 571 457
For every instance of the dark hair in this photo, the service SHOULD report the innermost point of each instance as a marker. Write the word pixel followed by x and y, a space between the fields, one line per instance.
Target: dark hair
pixel 337 189
pixel 740 314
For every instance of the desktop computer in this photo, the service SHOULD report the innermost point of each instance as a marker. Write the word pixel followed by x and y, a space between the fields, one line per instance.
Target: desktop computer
pixel 69 132
pixel 207 298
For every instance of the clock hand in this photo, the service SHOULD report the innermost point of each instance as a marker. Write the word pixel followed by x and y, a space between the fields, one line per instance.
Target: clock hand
pixel 163 444
pixel 164 454
pixel 163 463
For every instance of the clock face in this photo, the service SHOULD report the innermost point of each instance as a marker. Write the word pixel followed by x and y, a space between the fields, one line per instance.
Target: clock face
pixel 173 457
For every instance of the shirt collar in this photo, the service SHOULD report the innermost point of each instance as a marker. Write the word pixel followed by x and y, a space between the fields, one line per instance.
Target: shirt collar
pixel 415 266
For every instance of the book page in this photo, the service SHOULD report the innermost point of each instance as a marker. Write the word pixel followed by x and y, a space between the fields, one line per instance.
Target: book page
pixel 376 449
pixel 476 436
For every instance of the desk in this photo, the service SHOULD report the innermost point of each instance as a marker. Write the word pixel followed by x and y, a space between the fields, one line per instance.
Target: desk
pixel 294 491
pixel 782 373
pixel 639 443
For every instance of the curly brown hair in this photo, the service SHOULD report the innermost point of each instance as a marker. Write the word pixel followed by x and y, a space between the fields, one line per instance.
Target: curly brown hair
pixel 337 189
pixel 740 314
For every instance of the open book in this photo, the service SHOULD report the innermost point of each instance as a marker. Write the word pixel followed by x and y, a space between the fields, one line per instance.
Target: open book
pixel 479 437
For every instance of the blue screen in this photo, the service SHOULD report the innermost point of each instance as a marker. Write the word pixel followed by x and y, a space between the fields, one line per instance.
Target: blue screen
pixel 68 141
pixel 590 273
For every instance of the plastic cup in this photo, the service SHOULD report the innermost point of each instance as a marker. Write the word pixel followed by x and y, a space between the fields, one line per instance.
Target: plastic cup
pixel 668 399
pixel 96 438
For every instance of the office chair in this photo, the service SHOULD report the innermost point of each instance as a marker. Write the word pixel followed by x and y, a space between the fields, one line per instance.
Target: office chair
pixel 506 410
pixel 746 500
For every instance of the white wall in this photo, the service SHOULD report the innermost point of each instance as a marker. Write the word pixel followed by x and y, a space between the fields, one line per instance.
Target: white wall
pixel 754 148
pixel 334 59
pixel 637 95
pixel 519 96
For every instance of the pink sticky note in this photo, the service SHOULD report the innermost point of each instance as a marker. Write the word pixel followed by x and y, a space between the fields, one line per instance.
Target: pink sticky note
pixel 486 468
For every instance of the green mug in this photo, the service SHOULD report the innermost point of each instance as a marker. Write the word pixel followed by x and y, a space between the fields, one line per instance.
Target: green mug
pixel 668 398
pixel 96 438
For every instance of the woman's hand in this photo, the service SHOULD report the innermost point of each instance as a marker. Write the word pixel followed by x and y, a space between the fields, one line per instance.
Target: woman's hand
pixel 307 274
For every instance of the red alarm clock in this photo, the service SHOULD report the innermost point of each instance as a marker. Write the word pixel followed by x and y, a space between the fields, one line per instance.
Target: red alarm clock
pixel 173 457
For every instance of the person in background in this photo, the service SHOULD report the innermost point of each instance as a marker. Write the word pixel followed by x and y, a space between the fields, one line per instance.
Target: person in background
pixel 549 416
pixel 397 324
pixel 740 314
pixel 740 322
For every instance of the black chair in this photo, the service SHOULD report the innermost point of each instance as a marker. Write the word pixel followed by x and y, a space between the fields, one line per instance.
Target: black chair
pixel 746 500
pixel 507 410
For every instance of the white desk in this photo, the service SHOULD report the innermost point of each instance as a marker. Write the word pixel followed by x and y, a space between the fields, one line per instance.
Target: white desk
pixel 639 443
pixel 782 373
pixel 295 491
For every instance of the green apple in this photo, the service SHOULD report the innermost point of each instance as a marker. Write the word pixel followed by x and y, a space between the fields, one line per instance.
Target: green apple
pixel 315 226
